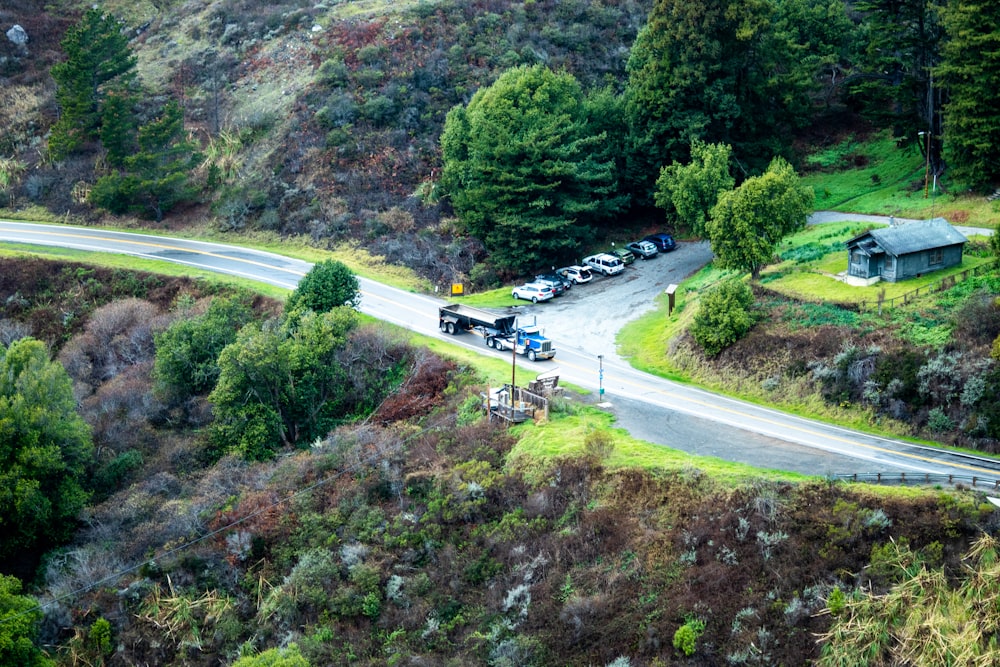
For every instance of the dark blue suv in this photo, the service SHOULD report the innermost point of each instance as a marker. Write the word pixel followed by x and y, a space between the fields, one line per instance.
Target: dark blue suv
pixel 663 242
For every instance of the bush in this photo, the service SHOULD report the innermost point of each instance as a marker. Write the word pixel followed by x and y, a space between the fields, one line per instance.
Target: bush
pixel 724 317
pixel 328 285
pixel 686 636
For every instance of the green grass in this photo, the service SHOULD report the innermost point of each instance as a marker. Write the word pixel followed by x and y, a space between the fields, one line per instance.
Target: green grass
pixel 890 181
pixel 812 257
pixel 564 434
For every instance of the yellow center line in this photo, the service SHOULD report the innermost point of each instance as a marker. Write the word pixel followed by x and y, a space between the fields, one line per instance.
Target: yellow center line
pixel 788 426
pixel 664 392
pixel 162 246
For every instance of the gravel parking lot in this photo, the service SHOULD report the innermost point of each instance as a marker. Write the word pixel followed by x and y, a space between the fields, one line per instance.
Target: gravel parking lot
pixel 589 316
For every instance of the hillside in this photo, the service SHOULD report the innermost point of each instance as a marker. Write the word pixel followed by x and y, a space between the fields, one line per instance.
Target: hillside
pixel 426 535
pixel 416 533
pixel 324 120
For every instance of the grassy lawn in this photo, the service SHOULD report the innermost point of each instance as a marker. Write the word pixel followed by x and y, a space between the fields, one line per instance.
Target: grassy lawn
pixel 563 436
pixel 878 177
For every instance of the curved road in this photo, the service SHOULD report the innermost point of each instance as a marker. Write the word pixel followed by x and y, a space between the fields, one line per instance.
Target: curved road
pixel 731 420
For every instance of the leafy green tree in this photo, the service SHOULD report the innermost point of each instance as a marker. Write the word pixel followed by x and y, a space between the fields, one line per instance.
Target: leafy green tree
pixel 187 352
pixel 281 384
pixel 20 617
pixel 156 177
pixel 522 167
pixel 724 316
pixel 275 657
pixel 971 72
pixel 328 285
pixel 747 223
pixel 691 191
pixel 45 449
pixel 98 60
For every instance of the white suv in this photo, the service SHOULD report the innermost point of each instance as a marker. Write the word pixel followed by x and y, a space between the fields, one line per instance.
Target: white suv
pixel 604 263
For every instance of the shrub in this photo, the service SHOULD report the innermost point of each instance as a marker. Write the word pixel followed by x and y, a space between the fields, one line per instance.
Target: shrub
pixel 686 636
pixel 724 317
pixel 328 285
pixel 836 602
pixel 598 444
pixel 275 657
pixel 939 421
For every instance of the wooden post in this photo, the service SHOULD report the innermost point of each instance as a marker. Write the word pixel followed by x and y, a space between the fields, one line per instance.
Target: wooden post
pixel 671 290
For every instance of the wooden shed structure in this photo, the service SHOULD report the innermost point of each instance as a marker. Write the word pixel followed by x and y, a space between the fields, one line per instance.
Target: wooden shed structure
pixel 904 251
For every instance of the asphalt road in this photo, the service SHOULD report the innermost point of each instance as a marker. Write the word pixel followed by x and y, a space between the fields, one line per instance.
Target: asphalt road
pixel 654 409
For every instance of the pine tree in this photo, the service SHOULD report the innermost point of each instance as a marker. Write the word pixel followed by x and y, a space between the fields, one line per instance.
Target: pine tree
pixel 156 177
pixel 971 72
pixel 98 60
pixel 524 170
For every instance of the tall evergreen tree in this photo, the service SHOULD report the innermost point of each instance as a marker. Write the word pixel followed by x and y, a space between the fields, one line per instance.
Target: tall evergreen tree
pixel 156 177
pixel 98 60
pixel 118 128
pixel 900 46
pixel 971 72
pixel 523 169
pixel 737 72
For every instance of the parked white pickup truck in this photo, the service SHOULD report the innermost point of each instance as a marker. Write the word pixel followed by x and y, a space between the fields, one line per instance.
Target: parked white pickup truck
pixel 604 263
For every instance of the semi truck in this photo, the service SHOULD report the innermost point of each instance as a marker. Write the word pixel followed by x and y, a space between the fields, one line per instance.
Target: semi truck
pixel 500 331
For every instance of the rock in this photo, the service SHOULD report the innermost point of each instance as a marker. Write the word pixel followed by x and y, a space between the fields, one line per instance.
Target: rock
pixel 18 35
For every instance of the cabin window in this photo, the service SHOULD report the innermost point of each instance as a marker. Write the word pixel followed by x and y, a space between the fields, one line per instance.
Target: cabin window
pixel 856 258
pixel 890 262
pixel 936 256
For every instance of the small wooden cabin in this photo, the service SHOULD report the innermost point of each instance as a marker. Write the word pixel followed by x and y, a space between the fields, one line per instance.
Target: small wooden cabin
pixel 903 251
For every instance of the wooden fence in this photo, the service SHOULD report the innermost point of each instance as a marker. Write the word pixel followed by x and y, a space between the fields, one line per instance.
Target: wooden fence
pixel 942 285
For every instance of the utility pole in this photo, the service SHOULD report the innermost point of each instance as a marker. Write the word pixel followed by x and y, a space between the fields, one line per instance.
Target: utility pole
pixel 927 162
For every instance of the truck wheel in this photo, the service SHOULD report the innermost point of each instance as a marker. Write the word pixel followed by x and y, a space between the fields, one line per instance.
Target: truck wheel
pixel 531 355
pixel 450 328
pixel 491 342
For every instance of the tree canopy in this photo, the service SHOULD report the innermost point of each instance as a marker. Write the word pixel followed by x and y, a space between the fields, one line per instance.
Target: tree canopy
pixel 971 72
pixel 328 284
pixel 187 352
pixel 156 176
pixel 739 72
pixel 98 61
pixel 523 169
pixel 45 448
pixel 691 191
pixel 747 223
pixel 20 617
pixel 281 383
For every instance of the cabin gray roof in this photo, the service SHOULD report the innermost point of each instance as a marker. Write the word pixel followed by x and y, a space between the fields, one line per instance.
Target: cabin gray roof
pixel 913 236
